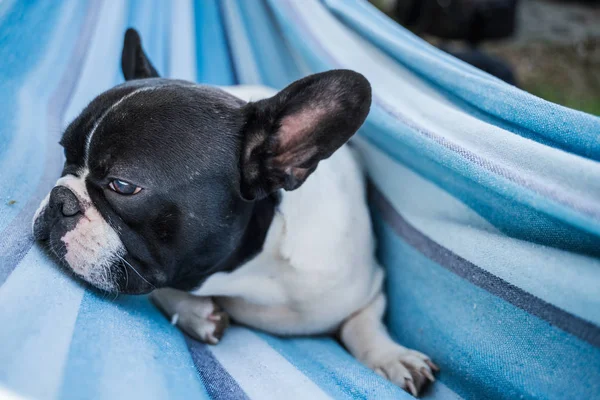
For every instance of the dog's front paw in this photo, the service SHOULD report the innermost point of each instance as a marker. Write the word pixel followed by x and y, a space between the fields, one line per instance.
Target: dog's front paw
pixel 206 323
pixel 197 316
pixel 408 369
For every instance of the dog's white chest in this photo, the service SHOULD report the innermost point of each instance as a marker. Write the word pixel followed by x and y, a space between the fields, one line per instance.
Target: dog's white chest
pixel 317 264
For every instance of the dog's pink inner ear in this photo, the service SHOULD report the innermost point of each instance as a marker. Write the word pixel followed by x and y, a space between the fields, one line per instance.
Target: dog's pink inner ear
pixel 295 144
pixel 288 134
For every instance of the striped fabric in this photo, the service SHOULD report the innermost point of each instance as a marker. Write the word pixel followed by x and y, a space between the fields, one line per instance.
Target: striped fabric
pixel 486 203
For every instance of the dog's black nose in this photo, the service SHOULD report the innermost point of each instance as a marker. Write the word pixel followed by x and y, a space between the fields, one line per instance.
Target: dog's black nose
pixel 64 200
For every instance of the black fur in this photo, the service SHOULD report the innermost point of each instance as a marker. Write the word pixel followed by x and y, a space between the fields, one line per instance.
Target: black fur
pixel 210 165
pixel 134 62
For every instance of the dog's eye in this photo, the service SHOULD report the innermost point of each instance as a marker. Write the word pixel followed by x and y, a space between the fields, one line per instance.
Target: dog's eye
pixel 123 187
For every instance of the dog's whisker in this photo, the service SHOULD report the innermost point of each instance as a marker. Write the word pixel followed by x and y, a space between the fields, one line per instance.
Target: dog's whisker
pixel 126 275
pixel 134 270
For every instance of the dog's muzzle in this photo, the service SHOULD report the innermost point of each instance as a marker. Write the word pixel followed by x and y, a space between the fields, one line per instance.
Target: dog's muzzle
pixel 77 234
pixel 62 212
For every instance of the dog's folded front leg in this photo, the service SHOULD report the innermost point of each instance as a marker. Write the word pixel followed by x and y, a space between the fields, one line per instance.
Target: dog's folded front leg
pixel 365 336
pixel 198 316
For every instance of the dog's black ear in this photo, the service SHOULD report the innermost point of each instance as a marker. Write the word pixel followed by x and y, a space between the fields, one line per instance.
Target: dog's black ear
pixel 288 134
pixel 134 62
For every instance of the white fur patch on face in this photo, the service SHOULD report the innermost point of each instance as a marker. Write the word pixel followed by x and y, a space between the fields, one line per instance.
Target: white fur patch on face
pixel 93 246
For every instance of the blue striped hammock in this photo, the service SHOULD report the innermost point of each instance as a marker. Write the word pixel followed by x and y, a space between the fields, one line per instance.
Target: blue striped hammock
pixel 486 203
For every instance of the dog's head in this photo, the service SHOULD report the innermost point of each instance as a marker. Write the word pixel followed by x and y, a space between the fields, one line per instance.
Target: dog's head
pixel 162 177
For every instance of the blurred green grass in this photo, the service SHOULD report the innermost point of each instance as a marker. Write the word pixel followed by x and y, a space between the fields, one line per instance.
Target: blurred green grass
pixel 565 74
pixel 588 104
pixel 559 63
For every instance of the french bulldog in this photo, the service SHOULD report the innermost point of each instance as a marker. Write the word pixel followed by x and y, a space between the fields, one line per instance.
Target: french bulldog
pixel 211 199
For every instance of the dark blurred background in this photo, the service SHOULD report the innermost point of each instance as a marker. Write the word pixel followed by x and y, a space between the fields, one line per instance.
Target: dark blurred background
pixel 550 48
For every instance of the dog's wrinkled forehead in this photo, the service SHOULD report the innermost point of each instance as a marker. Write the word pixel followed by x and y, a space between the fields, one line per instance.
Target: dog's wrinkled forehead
pixel 134 121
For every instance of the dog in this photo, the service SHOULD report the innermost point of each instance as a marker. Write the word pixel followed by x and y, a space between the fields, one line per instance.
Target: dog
pixel 211 199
